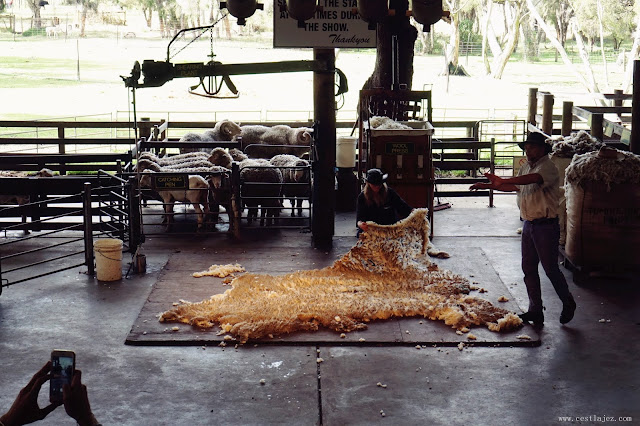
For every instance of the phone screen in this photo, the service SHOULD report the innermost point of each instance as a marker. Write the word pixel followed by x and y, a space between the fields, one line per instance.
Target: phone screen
pixel 62 368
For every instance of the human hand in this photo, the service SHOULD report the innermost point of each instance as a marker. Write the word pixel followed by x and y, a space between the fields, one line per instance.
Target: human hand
pixel 480 185
pixel 25 408
pixel 76 401
pixel 495 180
pixel 363 225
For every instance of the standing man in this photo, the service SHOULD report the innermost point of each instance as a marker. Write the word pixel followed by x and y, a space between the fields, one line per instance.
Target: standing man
pixel 537 185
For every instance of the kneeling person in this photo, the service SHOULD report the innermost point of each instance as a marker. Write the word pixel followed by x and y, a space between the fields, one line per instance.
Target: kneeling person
pixel 379 203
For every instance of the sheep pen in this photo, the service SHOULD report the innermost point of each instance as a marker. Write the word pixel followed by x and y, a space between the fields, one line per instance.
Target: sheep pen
pixel 198 191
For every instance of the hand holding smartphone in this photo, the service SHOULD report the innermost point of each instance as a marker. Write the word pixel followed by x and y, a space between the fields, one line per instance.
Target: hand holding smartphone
pixel 63 365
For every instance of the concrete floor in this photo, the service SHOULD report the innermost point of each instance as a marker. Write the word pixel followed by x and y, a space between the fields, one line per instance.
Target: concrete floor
pixel 586 369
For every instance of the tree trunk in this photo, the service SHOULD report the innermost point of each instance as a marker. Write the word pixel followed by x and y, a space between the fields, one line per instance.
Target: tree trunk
pixel 485 36
pixel 604 57
pixel 148 16
pixel 500 62
pixel 83 20
pixel 530 41
pixel 549 33
pixel 454 40
pixel 584 56
pixel 633 54
pixel 34 5
pixel 398 25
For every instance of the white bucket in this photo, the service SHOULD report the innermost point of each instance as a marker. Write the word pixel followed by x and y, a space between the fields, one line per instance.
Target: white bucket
pixel 108 253
pixel 346 151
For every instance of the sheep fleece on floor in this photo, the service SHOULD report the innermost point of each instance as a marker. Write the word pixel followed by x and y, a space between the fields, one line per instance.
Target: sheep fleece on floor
pixel 386 274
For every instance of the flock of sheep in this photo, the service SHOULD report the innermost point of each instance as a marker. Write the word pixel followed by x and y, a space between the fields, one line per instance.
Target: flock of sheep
pixel 270 174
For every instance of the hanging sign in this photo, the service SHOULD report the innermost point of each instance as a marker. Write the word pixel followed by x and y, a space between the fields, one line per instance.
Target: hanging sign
pixel 337 24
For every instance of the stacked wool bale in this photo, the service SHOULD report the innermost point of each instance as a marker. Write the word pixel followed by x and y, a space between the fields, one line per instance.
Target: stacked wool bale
pixel 564 149
pixel 603 209
pixel 386 274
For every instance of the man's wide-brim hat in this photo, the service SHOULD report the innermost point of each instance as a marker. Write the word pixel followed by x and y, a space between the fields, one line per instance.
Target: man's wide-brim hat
pixel 376 177
pixel 537 138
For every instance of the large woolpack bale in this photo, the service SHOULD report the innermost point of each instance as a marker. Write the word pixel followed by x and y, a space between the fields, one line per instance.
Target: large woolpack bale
pixel 564 149
pixel 562 163
pixel 603 210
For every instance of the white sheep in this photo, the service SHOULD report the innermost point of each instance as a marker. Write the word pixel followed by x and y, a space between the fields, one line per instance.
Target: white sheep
pixel 190 137
pixel 282 134
pixel 220 194
pixel 224 130
pixel 251 134
pixel 193 162
pixel 261 186
pixel 296 179
pixel 186 157
pixel 220 157
pixel 197 194
pixel 237 155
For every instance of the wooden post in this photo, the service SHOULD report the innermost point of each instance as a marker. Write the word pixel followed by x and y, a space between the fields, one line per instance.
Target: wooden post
pixel 144 127
pixel 533 105
pixel 324 200
pixel 567 118
pixel 61 149
pixel 88 230
pixel 596 124
pixel 634 143
pixel 547 114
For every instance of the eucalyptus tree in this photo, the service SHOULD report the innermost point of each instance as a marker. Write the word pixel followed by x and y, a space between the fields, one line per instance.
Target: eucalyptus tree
pixel 635 49
pixel 34 5
pixel 513 12
pixel 616 17
pixel 87 6
pixel 396 27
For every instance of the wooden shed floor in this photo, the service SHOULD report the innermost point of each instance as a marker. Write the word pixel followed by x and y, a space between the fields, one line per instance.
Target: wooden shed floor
pixel 175 282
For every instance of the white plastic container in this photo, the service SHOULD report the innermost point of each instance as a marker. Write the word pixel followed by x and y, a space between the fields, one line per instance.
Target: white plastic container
pixel 108 252
pixel 346 151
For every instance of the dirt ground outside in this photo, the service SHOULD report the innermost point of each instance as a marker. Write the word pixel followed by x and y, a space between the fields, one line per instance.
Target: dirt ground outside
pixel 57 78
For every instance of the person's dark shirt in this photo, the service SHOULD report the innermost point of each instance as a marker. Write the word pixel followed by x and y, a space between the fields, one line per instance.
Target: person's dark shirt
pixel 393 209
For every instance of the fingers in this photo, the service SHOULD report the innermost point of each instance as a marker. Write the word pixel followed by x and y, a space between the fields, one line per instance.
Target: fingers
pixel 44 412
pixel 39 378
pixel 77 378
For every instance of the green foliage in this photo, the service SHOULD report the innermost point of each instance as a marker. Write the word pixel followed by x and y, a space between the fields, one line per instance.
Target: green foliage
pixel 467 34
pixel 617 18
pixel 34 32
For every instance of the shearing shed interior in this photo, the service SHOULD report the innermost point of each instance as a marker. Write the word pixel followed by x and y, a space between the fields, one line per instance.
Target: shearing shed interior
pixel 318 213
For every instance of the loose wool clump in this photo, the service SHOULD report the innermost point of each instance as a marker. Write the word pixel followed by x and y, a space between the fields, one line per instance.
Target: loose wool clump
pixel 386 274
pixel 221 271
pixel 579 142
pixel 386 123
pixel 608 166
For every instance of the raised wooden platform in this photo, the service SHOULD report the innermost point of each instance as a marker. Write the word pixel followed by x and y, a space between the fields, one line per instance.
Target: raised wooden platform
pixel 176 283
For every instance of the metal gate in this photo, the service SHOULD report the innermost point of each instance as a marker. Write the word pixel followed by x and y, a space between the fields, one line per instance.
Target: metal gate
pixel 67 213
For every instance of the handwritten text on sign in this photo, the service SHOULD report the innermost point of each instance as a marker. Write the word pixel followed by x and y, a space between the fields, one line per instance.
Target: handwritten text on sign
pixel 336 25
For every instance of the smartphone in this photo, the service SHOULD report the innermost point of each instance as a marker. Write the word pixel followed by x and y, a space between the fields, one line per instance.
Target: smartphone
pixel 63 364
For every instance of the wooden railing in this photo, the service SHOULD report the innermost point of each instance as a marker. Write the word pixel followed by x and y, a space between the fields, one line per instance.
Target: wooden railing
pixel 598 120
